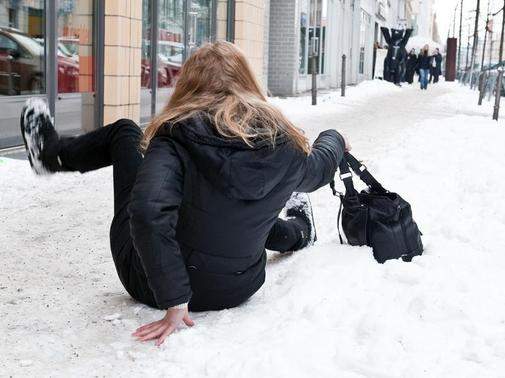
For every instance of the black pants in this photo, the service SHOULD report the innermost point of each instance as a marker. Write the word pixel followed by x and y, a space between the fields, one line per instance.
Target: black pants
pixel 118 145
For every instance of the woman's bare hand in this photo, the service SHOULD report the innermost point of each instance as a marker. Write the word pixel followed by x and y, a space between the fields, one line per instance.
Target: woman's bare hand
pixel 161 329
pixel 348 146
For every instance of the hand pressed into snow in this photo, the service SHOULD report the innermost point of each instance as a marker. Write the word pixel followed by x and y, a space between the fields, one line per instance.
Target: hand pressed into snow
pixel 161 329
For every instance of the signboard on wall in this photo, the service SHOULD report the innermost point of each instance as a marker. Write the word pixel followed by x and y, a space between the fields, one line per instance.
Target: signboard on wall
pixel 382 9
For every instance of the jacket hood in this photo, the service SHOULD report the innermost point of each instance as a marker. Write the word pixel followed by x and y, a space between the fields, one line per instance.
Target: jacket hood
pixel 238 170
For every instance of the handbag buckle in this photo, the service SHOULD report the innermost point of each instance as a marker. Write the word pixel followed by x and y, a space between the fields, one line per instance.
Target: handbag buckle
pixel 345 176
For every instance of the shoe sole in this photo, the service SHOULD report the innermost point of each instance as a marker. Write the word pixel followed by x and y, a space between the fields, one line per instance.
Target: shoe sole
pixel 35 113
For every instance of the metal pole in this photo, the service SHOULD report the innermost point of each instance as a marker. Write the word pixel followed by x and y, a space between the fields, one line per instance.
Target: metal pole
pixel 454 21
pixel 313 58
pixel 483 76
pixel 314 80
pixel 496 111
pixel 460 35
pixel 343 79
pixel 484 45
pixel 482 86
pixel 475 41
pixel 491 46
pixel 467 50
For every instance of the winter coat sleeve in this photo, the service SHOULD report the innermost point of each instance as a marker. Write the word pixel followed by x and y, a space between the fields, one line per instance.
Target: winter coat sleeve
pixel 321 164
pixel 153 209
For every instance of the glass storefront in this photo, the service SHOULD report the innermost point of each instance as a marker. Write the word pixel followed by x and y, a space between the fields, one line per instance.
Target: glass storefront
pixel 75 57
pixel 183 26
pixel 34 33
pixel 22 57
pixel 51 49
pixel 170 47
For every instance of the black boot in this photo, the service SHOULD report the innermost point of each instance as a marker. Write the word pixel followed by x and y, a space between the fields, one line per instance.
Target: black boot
pixel 40 138
pixel 299 210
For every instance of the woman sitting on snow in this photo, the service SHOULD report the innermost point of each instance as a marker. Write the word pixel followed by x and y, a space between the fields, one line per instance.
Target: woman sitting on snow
pixel 192 218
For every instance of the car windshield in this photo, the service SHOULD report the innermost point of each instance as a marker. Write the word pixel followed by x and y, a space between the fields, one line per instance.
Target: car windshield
pixel 64 50
pixel 29 43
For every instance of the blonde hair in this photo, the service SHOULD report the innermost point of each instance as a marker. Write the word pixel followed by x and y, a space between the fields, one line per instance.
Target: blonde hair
pixel 218 82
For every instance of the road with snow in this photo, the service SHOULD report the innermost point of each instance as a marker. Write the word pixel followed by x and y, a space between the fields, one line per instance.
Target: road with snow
pixel 327 311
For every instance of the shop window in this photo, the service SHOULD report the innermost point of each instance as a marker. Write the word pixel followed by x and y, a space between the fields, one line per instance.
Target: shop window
pixel 313 22
pixel 145 63
pixel 364 27
pixel 171 49
pixel 76 70
pixel 182 26
pixel 22 71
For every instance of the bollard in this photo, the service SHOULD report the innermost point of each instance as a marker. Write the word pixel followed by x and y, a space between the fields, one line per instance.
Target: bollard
pixel 482 86
pixel 496 111
pixel 314 57
pixel 343 84
pixel 314 79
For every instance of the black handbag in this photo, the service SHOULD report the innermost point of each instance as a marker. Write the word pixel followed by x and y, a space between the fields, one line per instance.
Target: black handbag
pixel 376 217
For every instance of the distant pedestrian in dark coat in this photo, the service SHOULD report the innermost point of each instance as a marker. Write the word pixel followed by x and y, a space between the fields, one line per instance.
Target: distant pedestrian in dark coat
pixel 436 66
pixel 424 64
pixel 411 66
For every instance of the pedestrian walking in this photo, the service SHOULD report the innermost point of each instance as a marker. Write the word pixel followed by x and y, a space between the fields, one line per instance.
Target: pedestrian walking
pixel 436 66
pixel 424 64
pixel 194 212
pixel 411 66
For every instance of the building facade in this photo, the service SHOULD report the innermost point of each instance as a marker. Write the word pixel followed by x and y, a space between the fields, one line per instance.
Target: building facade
pixel 96 61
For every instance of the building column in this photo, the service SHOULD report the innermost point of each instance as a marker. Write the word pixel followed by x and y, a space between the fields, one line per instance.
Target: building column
pixel 284 41
pixel 123 38
pixel 249 33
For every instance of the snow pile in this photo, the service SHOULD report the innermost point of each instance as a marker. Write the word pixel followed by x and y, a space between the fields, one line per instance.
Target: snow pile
pixel 328 311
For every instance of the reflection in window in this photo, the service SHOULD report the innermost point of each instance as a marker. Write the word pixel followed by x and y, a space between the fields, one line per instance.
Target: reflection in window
pixel 75 109
pixel 21 47
pixel 303 37
pixel 313 19
pixel 199 23
pixel 170 47
pixel 145 64
pixel 364 25
pixel 22 69
pixel 75 46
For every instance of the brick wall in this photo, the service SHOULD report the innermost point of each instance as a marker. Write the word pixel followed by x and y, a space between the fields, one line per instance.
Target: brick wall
pixel 283 47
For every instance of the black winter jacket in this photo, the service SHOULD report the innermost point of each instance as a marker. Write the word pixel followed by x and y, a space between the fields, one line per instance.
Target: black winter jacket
pixel 203 205
pixel 424 62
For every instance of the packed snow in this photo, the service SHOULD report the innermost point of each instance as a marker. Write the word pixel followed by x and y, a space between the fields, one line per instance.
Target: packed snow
pixel 327 311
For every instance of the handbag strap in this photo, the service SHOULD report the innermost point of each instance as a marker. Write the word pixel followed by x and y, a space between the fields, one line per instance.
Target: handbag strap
pixel 362 171
pixel 346 176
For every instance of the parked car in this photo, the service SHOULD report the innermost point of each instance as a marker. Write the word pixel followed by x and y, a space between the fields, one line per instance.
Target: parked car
pixel 22 66
pixel 169 64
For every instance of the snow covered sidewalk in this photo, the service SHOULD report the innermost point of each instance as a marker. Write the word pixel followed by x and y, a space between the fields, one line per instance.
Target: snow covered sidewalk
pixel 328 311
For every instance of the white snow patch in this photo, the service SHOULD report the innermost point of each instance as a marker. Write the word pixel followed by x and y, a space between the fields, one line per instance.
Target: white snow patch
pixel 327 311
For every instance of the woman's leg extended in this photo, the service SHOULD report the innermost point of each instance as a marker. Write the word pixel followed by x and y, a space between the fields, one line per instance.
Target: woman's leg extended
pixel 298 230
pixel 117 144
